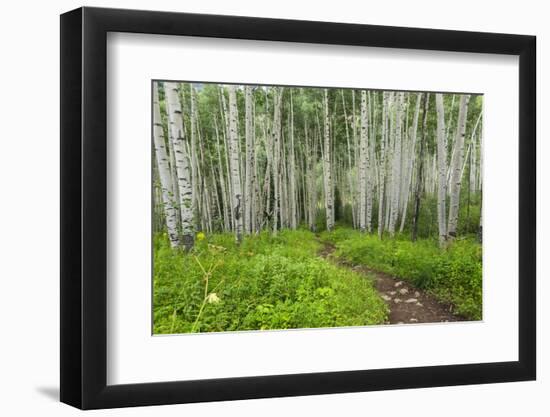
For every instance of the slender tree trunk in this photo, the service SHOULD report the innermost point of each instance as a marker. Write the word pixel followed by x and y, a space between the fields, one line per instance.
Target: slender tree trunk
pixel 250 180
pixel 223 182
pixel 165 176
pixel 473 169
pixel 329 196
pixel 225 135
pixel 234 163
pixel 350 165
pixel 173 173
pixel 363 164
pixel 371 163
pixel 382 172
pixel 183 168
pixel 277 94
pixel 442 170
pixel 311 151
pixel 420 167
pixel 412 153
pixel 396 174
pixel 292 168
pixel 457 166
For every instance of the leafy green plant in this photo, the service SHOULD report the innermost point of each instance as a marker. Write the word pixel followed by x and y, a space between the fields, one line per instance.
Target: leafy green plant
pixel 453 275
pixel 269 282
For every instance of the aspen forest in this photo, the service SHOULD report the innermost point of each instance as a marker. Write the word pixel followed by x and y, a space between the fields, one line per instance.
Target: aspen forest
pixel 280 207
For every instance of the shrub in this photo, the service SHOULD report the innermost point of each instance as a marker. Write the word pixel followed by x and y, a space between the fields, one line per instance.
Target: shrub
pixel 453 275
pixel 269 282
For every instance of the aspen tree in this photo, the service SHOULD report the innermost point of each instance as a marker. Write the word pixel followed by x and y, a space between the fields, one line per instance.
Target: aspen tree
pixel 237 197
pixel 456 179
pixel 411 155
pixel 350 165
pixel 382 172
pixel 442 170
pixel 420 167
pixel 371 163
pixel 250 177
pixel 328 180
pixel 223 182
pixel 170 210
pixel 277 98
pixel 183 169
pixel 396 172
pixel 363 164
pixel 292 169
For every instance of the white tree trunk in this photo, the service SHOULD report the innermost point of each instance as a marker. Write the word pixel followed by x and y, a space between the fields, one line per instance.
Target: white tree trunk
pixel 234 165
pixel 223 183
pixel 363 164
pixel 292 170
pixel 195 174
pixel 353 198
pixel 442 170
pixel 169 205
pixel 411 158
pixel 456 179
pixel 277 98
pixel 473 167
pixel 396 172
pixel 250 180
pixel 329 195
pixel 183 167
pixel 382 172
pixel 371 163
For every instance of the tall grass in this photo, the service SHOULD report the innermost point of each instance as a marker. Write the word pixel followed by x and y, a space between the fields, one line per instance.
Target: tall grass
pixel 453 275
pixel 269 282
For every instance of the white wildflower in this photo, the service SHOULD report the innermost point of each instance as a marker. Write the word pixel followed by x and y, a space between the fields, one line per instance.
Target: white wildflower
pixel 212 298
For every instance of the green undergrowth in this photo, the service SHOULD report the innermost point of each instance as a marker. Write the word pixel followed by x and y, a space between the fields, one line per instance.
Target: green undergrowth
pixel 269 282
pixel 453 275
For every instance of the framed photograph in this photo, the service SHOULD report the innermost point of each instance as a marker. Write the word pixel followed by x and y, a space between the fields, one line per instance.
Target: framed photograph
pixel 257 208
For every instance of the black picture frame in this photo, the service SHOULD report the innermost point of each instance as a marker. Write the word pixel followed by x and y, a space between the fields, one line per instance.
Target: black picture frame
pixel 84 207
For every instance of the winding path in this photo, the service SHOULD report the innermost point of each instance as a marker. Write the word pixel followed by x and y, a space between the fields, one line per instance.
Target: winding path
pixel 406 303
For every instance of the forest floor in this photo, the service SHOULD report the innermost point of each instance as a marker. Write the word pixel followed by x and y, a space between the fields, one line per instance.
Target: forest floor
pixel 406 304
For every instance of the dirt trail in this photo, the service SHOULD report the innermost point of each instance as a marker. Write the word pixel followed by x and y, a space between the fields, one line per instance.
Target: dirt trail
pixel 406 303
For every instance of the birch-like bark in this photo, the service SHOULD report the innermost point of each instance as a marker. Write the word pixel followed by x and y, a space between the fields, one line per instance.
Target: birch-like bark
pixel 382 171
pixel 473 168
pixel 268 169
pixel 353 199
pixel 183 168
pixel 442 170
pixel 390 134
pixel 170 210
pixel 456 180
pixel 420 168
pixel 250 177
pixel 396 171
pixel 355 155
pixel 329 193
pixel 312 185
pixel 225 135
pixel 173 172
pixel 277 98
pixel 223 182
pixel 256 193
pixel 412 153
pixel 292 170
pixel 195 173
pixel 371 163
pixel 234 165
pixel 363 164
